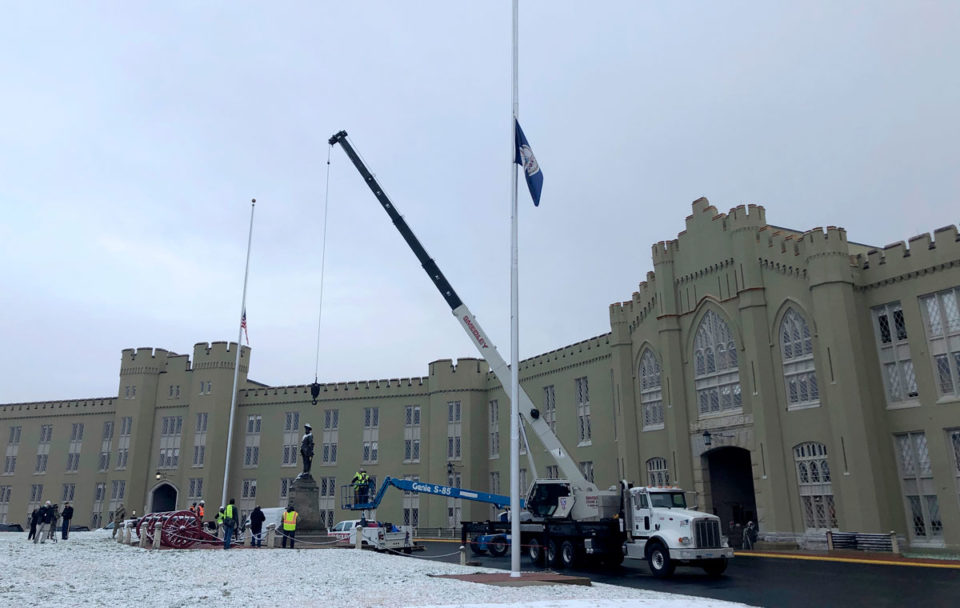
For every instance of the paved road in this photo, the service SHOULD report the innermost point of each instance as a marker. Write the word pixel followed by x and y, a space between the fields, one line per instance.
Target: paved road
pixel 774 582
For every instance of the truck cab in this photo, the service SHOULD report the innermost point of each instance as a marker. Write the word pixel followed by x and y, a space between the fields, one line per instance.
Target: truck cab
pixel 664 531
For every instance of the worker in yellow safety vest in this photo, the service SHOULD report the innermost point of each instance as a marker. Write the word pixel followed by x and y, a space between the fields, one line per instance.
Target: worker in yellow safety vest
pixel 289 526
pixel 361 486
pixel 231 519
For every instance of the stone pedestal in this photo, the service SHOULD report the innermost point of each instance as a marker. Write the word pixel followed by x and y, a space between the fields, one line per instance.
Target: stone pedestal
pixel 304 495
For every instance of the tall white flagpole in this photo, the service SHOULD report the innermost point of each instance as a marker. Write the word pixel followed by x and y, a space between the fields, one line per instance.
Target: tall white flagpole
pixel 514 323
pixel 236 365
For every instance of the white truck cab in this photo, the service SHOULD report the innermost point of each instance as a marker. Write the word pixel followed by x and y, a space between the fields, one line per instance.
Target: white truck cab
pixel 661 529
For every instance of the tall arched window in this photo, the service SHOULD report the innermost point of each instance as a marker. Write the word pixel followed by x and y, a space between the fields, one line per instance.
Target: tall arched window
pixel 717 372
pixel 657 472
pixel 799 375
pixel 651 395
pixel 816 489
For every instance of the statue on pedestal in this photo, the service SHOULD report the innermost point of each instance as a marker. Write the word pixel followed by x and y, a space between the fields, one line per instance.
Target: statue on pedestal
pixel 306 450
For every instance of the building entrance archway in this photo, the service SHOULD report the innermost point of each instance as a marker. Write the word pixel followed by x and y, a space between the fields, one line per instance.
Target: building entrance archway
pixel 730 486
pixel 163 498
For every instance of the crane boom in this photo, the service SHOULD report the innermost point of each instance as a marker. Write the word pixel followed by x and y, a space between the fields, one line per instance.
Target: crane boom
pixel 531 415
pixel 350 500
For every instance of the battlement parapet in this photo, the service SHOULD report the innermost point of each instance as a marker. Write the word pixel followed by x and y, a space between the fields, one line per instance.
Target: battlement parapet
pixel 830 241
pixel 701 208
pixel 252 395
pixel 177 362
pixel 573 350
pixel 779 241
pixel 466 373
pixel 746 216
pixel 206 351
pixel 467 364
pixel 921 253
pixel 64 407
pixel 646 290
pixel 143 360
pixel 139 355
pixel 664 251
pixel 740 217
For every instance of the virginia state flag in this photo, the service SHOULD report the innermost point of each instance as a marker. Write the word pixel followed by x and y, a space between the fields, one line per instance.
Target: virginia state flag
pixel 531 170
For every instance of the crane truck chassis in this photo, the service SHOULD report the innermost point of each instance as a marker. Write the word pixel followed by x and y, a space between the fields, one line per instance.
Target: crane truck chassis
pixel 571 519
pixel 654 525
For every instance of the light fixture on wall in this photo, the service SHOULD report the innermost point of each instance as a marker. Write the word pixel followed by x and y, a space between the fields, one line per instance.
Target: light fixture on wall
pixel 708 437
pixel 160 475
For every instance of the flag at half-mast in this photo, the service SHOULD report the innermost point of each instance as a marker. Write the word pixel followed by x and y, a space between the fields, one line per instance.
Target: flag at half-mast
pixel 243 325
pixel 531 169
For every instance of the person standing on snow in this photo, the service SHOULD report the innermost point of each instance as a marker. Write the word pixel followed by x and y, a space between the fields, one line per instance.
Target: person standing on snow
pixel 34 520
pixel 67 516
pixel 43 525
pixel 55 517
pixel 289 526
pixel 256 527
pixel 118 516
pixel 230 518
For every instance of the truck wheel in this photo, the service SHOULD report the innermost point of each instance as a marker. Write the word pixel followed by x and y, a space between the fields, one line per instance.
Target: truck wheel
pixel 552 555
pixel 535 550
pixel 408 550
pixel 612 559
pixel 715 567
pixel 660 563
pixel 569 555
pixel 475 548
pixel 498 546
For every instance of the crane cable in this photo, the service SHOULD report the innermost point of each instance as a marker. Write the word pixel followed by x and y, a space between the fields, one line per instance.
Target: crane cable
pixel 323 255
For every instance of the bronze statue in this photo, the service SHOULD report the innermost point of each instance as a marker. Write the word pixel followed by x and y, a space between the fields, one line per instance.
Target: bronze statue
pixel 306 449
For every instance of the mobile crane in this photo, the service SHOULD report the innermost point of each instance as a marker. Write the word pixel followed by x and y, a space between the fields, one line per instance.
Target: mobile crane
pixel 571 519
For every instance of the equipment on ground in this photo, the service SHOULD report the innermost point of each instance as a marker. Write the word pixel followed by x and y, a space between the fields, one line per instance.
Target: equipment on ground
pixel 376 535
pixel 572 520
pixel 178 529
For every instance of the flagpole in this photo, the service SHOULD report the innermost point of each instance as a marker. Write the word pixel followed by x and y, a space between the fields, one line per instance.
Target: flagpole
pixel 514 320
pixel 236 365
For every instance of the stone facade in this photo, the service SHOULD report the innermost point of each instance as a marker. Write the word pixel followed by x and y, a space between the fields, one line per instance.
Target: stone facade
pixel 791 378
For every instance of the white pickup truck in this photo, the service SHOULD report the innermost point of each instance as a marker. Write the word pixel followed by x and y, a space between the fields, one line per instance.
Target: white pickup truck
pixel 375 535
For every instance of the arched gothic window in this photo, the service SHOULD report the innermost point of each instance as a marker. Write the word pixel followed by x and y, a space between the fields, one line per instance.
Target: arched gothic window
pixel 657 472
pixel 816 489
pixel 799 374
pixel 651 394
pixel 717 378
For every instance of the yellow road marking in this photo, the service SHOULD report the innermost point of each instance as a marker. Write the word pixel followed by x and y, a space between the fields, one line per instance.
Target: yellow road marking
pixel 820 558
pixel 849 560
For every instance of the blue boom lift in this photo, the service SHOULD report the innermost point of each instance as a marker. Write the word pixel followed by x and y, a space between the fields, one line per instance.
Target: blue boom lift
pixel 358 499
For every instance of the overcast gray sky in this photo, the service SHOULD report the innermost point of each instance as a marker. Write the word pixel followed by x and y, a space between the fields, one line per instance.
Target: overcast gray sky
pixel 133 136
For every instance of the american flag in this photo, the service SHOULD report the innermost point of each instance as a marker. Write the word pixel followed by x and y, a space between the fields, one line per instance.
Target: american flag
pixel 243 325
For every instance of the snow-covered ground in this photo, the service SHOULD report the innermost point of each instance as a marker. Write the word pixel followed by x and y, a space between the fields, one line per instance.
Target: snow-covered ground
pixel 90 569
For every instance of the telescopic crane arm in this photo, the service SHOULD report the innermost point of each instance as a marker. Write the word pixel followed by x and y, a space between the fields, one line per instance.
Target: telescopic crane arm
pixel 568 467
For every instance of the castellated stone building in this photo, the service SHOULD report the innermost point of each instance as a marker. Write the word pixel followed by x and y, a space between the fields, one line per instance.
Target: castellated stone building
pixel 791 378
